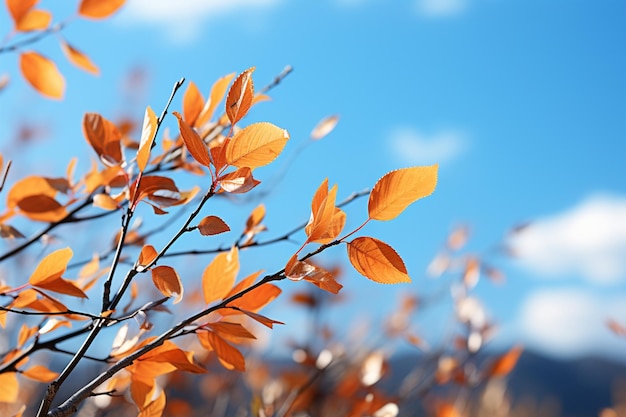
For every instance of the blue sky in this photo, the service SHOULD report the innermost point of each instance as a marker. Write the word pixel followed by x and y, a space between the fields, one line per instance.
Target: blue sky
pixel 522 104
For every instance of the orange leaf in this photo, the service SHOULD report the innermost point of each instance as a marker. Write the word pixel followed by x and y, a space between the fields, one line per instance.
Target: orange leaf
pixel 243 284
pixel 377 261
pixel 217 94
pixel 228 329
pixel 324 127
pixel 255 218
pixel 197 148
pixel 9 387
pixel 34 20
pixel 256 145
pixel 103 136
pixel 148 132
pixel 256 299
pixel 147 255
pixel 267 322
pixel 212 225
pixel 154 408
pixel 240 96
pixel 219 276
pixel 99 9
pixel 19 8
pixel 297 270
pixel 228 355
pixel 40 373
pixel 78 58
pixel 238 182
pixel 326 220
pixel 42 208
pixel 168 282
pixel 51 267
pixel 504 364
pixel 105 201
pixel 42 74
pixel 398 189
pixel 447 410
pixel 193 102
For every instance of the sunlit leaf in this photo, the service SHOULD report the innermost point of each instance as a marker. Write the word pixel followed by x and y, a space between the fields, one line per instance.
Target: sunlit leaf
pixel 197 148
pixel 79 59
pixel 40 373
pixel 243 284
pixel 42 74
pixel 504 364
pixel 34 20
pixel 238 182
pixel 193 102
pixel 147 255
pixel 99 9
pixel 229 356
pixel 168 282
pixel 212 225
pixel 148 132
pixel 105 201
pixel 326 221
pixel 398 189
pixel 324 127
pixel 9 387
pixel 18 8
pixel 154 408
pixel 265 321
pixel 104 137
pixel 258 298
pixel 240 96
pixel 219 276
pixel 217 94
pixel 48 274
pixel 42 208
pixel 377 261
pixel 256 145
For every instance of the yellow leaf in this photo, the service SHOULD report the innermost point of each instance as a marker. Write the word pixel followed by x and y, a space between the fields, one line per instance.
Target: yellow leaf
pixel 212 225
pixel 40 373
pixel 324 127
pixel 197 148
pixel 148 132
pixel 240 96
pixel 256 145
pixel 193 102
pixel 99 9
pixel 398 189
pixel 42 74
pixel 219 276
pixel 34 20
pixel 217 94
pixel 9 387
pixel 78 58
pixel 168 282
pixel 377 261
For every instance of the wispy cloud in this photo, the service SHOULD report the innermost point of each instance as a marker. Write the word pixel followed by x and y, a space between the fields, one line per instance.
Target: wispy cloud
pixel 440 8
pixel 588 240
pixel 413 146
pixel 571 322
pixel 183 20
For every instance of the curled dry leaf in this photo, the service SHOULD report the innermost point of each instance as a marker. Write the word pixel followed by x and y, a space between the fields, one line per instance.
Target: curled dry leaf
pixel 79 59
pixel 324 127
pixel 42 74
pixel 395 191
pixel 238 182
pixel 228 355
pixel 377 261
pixel 99 9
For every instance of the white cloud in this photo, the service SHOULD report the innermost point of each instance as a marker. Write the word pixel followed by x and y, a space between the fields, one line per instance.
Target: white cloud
pixel 571 322
pixel 440 8
pixel 414 147
pixel 184 19
pixel 588 241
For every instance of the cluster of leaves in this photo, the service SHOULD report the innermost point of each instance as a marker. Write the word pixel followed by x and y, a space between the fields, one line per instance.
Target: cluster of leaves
pixel 130 173
pixel 31 23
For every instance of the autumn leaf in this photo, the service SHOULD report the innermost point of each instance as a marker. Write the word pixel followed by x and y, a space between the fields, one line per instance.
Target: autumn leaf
pixel 398 189
pixel 42 74
pixel 212 225
pixel 104 137
pixel 105 201
pixel 377 261
pixel 326 221
pixel 197 148
pixel 40 373
pixel 504 364
pixel 154 408
pixel 219 276
pixel 9 387
pixel 265 321
pixel 297 270
pixel 240 96
pixel 99 9
pixel 148 131
pixel 256 299
pixel 217 94
pixel 48 274
pixel 34 20
pixel 324 127
pixel 19 8
pixel 229 356
pixel 230 330
pixel 238 182
pixel 193 102
pixel 78 58
pixel 168 282
pixel 256 145
pixel 147 255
